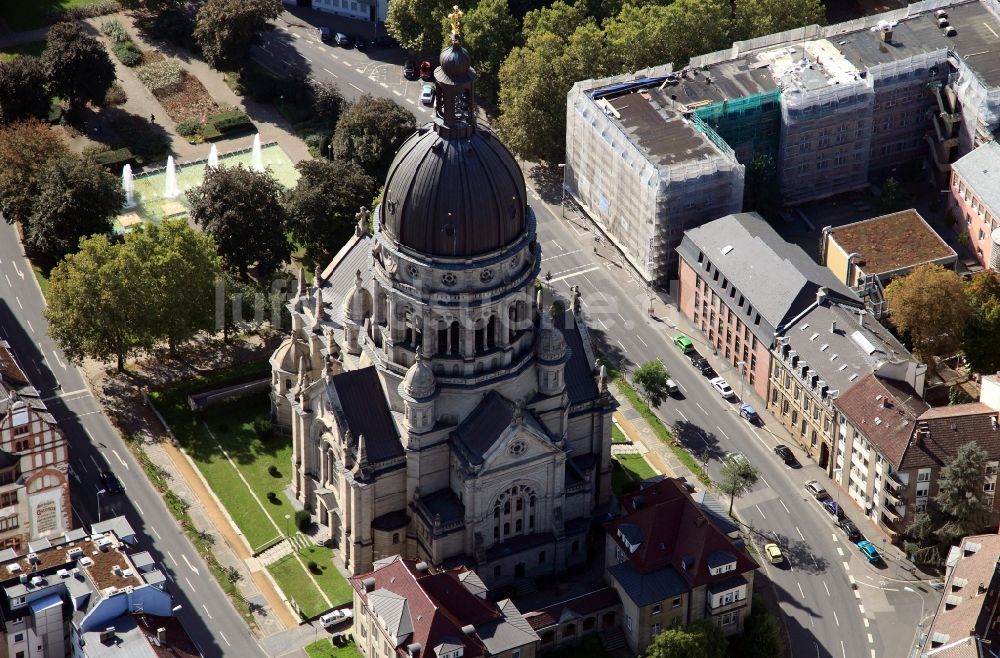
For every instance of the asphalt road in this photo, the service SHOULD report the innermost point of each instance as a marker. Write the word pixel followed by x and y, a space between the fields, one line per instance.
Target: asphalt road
pixel 95 445
pixel 826 615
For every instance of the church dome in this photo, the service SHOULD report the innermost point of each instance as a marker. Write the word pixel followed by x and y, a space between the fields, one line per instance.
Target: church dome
pixel 420 381
pixel 453 190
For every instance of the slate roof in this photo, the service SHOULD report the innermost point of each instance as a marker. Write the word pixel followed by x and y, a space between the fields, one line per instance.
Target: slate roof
pixel 963 608
pixel 951 427
pixel 777 278
pixel 648 588
pixel 981 170
pixel 581 385
pixel 366 411
pixel 885 412
pixel 674 530
pixel 893 242
pixel 484 425
pixel 339 275
pixel 578 606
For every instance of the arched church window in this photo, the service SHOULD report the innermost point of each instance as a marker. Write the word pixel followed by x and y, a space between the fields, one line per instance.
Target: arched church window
pixel 288 384
pixel 506 507
pixel 506 529
pixel 496 512
pixel 518 526
pixel 519 505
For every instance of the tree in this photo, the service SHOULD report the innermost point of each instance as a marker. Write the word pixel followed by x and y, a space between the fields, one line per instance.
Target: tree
pixel 700 639
pixel 153 7
pixel 755 18
pixel 182 266
pixel 894 197
pixel 929 304
pixel 416 24
pixel 323 206
pixel 370 131
pixel 328 101
pixel 638 37
pixel 981 339
pixel 560 18
pixel 489 31
pixel 762 636
pixel 227 29
pixel 76 198
pixel 957 510
pixel 23 93
pixel 651 378
pixel 98 303
pixel 697 27
pixel 25 147
pixel 242 211
pixel 77 65
pixel 762 193
pixel 738 477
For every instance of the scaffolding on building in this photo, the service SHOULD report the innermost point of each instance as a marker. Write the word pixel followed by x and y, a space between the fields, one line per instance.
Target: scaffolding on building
pixel 872 293
pixel 751 125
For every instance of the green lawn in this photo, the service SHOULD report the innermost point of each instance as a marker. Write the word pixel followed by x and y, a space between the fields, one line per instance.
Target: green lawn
pixel 618 436
pixel 296 586
pixel 325 649
pixel 43 281
pixel 33 48
pixel 328 577
pixel 28 14
pixel 630 469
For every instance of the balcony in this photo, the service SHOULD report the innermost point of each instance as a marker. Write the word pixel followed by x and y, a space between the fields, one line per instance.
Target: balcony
pixel 894 497
pixel 892 481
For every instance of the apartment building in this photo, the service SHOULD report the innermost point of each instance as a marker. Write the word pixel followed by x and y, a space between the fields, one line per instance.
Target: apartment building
pixel 975 201
pixel 965 622
pixel 34 462
pixel 838 107
pixel 892 446
pixel 671 565
pixel 401 608
pixel 741 285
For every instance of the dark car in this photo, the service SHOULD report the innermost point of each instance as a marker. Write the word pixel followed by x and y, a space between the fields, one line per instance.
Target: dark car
pixel 703 366
pixel 831 506
pixel 410 70
pixel 325 34
pixel 360 43
pixel 343 40
pixel 426 70
pixel 785 453
pixel 385 42
pixel 111 483
pixel 849 529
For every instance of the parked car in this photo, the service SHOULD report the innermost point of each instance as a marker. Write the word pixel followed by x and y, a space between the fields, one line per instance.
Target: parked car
pixel 385 42
pixel 869 551
pixel 833 507
pixel 426 70
pixel 723 387
pixel 748 412
pixel 325 34
pixel 773 553
pixel 360 42
pixel 427 94
pixel 851 530
pixel 684 344
pixel 817 490
pixel 785 453
pixel 111 483
pixel 410 70
pixel 335 617
pixel 702 365
pixel 343 40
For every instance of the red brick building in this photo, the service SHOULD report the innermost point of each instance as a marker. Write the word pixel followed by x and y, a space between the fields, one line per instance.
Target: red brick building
pixel 975 201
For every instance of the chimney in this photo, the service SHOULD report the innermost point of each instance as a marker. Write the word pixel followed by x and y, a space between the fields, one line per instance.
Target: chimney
pixel 821 295
pixel 422 567
pixel 469 629
pixel 861 318
pixel 833 327
pixel 886 35
pixel 161 635
pixel 414 649
pixel 369 584
pixel 982 588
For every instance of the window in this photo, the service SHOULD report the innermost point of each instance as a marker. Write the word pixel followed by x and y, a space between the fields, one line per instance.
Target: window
pixel 727 619
pixel 655 629
pixel 628 623
pixel 924 475
pixel 395 538
pixel 657 609
pixel 676 603
pixel 990 487
pixel 8 499
pixel 541 557
pixel 19 637
pixel 516 653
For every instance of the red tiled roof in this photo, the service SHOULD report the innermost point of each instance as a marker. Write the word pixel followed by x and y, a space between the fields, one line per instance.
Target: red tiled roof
pixel 10 372
pixel 674 527
pixel 582 605
pixel 884 411
pixel 951 427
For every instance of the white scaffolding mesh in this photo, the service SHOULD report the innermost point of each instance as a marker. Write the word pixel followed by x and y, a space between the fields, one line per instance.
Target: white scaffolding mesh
pixel 980 108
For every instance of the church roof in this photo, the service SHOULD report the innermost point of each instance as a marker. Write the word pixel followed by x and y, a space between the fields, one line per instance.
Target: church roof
pixel 579 377
pixel 481 428
pixel 339 275
pixel 366 410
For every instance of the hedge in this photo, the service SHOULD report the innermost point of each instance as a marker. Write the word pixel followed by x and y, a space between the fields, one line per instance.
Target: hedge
pixel 117 157
pixel 188 128
pixel 128 53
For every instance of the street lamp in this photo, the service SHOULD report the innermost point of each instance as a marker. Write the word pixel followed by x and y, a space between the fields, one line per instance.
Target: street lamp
pixel 838 474
pixel 562 202
pixel 287 526
pixel 329 151
pixel 742 366
pixel 99 492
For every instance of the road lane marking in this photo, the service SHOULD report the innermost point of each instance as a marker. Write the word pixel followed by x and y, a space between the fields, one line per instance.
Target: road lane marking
pixel 871 640
pixel 843 649
pixel 95 461
pixel 8 281
pixel 702 409
pixel 346 63
pixel 396 92
pixel 840 551
pixel 172 558
pixel 58 360
pixel 800 589
pixel 865 619
pixel 189 584
pixel 800 533
pixel 203 607
pixel 643 343
pixel 826 588
pixel 153 528
pixel 223 636
pixel 188 562
pixel 847 567
pixel 681 414
pixel 624 349
pixel 81 465
pixel 565 276
pixel 307 59
pixel 723 433
pixel 384 85
pixel 330 72
pixel 861 607
pixel 31 328
pixel 139 508
pixel 765 482
pixel 19 302
pixel 857 593
pixel 19 272
pixel 835 618
pixel 119 458
pixel 357 87
pixel 785 506
pixel 760 510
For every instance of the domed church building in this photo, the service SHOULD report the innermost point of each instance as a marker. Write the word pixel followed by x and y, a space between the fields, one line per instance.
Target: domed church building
pixel 437 409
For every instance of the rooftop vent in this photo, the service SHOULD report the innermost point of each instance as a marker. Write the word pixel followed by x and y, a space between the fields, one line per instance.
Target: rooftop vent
pixel 161 635
pixel 469 629
pixel 75 552
pixel 13 567
pixel 108 634
pixel 369 584
pixel 36 581
pixel 33 558
pixel 727 249
pixel 62 573
pixel 86 561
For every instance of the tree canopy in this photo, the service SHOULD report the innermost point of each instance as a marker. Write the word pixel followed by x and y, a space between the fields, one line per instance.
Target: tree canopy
pixel 762 634
pixel 755 18
pixel 23 90
pixel 700 639
pixel 489 31
pixel 930 306
pixel 76 198
pixel 77 65
pixel 227 29
pixel 651 378
pixel 738 477
pixel 25 147
pixel 370 131
pixel 323 205
pixel 416 24
pixel 981 340
pixel 242 211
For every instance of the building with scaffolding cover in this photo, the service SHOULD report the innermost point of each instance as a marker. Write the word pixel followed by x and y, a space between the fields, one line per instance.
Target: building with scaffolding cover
pixel 651 154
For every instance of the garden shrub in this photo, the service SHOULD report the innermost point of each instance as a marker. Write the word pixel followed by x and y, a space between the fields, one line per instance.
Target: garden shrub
pixel 114 30
pixel 233 124
pixel 313 567
pixel 160 74
pixel 115 95
pixel 85 11
pixel 303 520
pixel 175 26
pixel 116 159
pixel 145 139
pixel 94 150
pixel 273 471
pixel 128 53
pixel 188 128
pixel 263 427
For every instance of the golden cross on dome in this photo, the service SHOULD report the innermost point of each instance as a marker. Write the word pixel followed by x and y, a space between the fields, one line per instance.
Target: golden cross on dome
pixel 456 20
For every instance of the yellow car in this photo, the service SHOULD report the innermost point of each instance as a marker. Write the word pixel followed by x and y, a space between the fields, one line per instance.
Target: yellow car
pixel 773 553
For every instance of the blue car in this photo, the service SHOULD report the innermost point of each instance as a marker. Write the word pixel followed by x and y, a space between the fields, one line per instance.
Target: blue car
pixel 869 551
pixel 748 412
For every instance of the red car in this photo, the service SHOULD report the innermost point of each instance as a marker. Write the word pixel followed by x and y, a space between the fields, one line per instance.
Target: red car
pixel 426 70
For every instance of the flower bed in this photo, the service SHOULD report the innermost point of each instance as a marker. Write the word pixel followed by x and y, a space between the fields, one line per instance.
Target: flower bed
pixel 187 101
pixel 162 74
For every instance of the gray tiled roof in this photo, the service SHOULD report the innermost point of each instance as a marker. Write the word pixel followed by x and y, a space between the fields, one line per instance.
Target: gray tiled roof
pixel 363 403
pixel 391 608
pixel 777 278
pixel 481 428
pixel 355 255
pixel 646 589
pixel 580 383
pixel 981 170
pixel 508 632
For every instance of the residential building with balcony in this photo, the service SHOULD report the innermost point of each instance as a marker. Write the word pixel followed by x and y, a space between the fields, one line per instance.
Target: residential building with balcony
pixel 892 447
pixel 403 610
pixel 975 201
pixel 966 623
pixel 671 565
pixel 34 462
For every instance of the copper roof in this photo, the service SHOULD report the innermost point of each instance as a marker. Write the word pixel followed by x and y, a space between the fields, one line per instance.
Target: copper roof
pixel 892 242
pixel 884 411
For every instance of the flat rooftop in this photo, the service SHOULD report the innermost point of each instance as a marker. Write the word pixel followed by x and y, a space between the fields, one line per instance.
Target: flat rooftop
pixel 664 136
pixel 892 242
